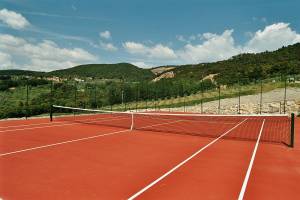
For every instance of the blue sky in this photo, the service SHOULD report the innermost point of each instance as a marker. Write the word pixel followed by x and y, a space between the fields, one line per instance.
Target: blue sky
pixel 53 34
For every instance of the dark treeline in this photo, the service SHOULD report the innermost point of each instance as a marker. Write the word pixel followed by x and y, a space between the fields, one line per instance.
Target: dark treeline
pixel 22 97
pixel 28 97
pixel 117 92
pixel 7 82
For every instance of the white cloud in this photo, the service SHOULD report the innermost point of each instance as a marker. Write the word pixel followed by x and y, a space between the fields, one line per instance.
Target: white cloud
pixel 66 37
pixel 264 20
pixel 192 37
pixel 160 51
pixel 214 47
pixel 271 38
pixel 65 16
pixel 181 38
pixel 135 48
pixel 44 56
pixel 157 51
pixel 141 64
pixel 5 61
pixel 188 39
pixel 108 46
pixel 13 19
pixel 105 35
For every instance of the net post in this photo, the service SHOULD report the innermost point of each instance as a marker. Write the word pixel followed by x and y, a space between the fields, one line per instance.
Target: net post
pixel 51 113
pixel 292 130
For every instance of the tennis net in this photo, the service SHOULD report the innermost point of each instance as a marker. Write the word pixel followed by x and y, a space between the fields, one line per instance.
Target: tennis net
pixel 276 129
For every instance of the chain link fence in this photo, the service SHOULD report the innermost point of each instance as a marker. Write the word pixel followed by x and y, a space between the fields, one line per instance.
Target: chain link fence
pixel 273 95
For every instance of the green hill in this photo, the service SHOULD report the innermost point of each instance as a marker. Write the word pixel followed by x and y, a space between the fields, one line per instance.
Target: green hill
pixel 107 71
pixel 285 60
pixel 17 72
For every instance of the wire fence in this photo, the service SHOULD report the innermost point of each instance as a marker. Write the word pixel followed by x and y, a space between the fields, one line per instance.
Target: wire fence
pixel 271 95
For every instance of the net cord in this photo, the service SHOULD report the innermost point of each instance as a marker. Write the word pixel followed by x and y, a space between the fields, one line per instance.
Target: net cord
pixel 173 114
pixel 89 110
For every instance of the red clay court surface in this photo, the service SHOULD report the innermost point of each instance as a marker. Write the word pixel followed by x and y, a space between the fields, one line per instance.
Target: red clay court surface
pixel 65 160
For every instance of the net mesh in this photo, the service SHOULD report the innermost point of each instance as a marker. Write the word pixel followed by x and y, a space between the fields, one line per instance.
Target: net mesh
pixel 276 128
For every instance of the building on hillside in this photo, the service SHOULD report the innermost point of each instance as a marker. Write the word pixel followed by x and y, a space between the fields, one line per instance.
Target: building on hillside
pixel 78 80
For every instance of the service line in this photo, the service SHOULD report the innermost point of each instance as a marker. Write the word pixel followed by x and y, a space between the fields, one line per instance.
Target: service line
pixel 64 124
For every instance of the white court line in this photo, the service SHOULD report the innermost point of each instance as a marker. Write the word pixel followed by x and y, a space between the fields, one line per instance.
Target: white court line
pixel 65 124
pixel 60 143
pixel 69 141
pixel 242 192
pixel 57 122
pixel 24 125
pixel 182 163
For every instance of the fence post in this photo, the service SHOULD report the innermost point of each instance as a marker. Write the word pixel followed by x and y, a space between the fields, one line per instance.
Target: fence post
pixel 75 95
pixel 27 100
pixel 146 104
pixel 183 95
pixel 292 129
pixel 122 99
pixel 284 99
pixel 260 104
pixel 155 98
pixel 75 98
pixel 279 107
pixel 136 97
pixel 239 106
pixel 51 101
pixel 201 96
pixel 147 96
pixel 219 106
pixel 95 96
pixel 184 103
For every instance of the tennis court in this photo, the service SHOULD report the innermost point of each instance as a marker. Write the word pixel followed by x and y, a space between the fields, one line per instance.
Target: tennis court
pixel 88 154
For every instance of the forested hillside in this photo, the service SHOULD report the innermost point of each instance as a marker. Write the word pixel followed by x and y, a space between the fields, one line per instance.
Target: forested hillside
pixel 101 85
pixel 107 71
pixel 285 60
pixel 17 72
pixel 253 66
